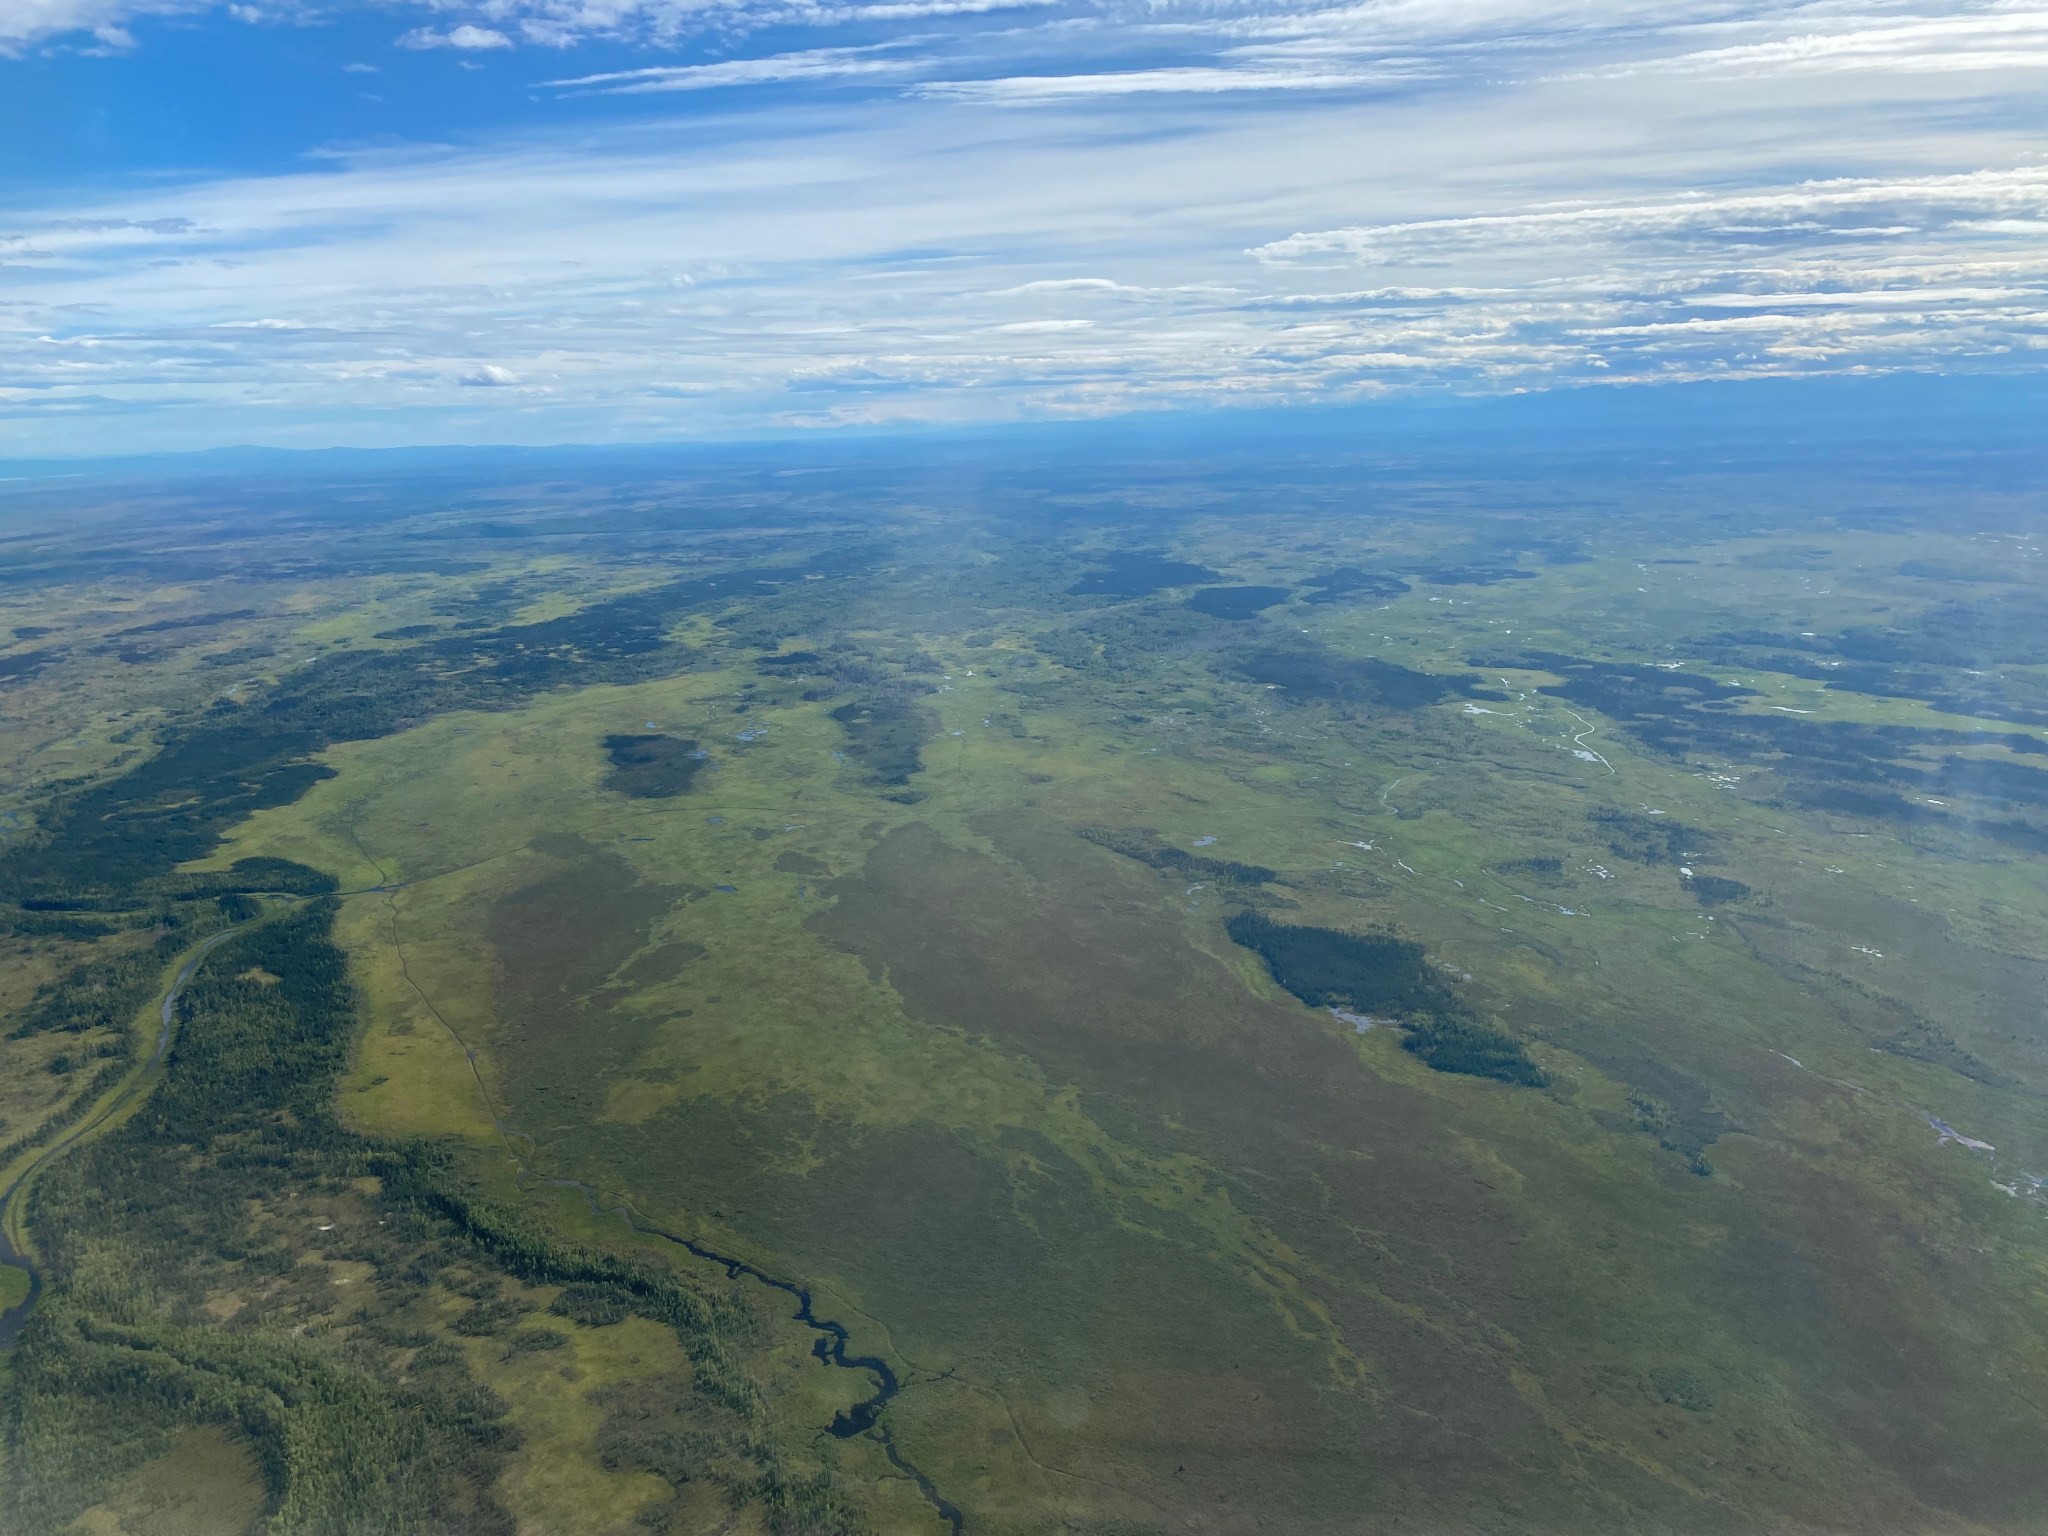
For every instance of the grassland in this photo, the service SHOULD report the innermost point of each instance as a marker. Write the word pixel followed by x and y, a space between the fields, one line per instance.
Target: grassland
pixel 930 990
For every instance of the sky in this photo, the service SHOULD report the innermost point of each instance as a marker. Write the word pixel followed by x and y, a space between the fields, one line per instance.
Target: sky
pixel 297 223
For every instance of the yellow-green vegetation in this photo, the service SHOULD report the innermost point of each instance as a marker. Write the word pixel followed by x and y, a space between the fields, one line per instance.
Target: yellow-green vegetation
pixel 206 1483
pixel 951 1033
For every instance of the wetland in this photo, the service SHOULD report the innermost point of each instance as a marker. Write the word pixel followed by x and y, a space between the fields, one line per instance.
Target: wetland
pixel 737 1003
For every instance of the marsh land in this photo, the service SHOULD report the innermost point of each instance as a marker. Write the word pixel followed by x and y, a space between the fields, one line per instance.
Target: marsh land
pixel 851 991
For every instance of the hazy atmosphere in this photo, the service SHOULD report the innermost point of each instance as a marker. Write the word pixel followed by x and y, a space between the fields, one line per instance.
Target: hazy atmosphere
pixel 1021 768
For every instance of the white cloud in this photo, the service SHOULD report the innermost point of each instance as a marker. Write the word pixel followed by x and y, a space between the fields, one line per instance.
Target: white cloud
pixel 812 64
pixel 1086 269
pixel 563 23
pixel 28 21
pixel 1176 80
pixel 2005 36
pixel 1068 285
pixel 1087 47
pixel 1544 192
pixel 465 37
pixel 1844 209
pixel 920 10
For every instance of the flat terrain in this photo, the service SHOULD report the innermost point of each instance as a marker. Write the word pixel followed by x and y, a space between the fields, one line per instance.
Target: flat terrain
pixel 1116 997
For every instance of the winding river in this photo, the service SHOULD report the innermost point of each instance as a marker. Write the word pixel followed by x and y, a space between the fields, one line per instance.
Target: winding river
pixel 830 1346
pixel 14 1247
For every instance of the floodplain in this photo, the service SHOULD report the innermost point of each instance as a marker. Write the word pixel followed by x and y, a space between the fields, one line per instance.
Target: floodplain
pixel 1109 996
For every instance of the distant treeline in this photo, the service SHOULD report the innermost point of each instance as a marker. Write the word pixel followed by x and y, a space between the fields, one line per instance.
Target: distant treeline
pixel 1847 767
pixel 1379 973
pixel 26 922
pixel 1941 655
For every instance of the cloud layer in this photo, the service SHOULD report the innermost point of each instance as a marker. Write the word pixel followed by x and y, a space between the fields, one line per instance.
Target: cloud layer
pixel 965 209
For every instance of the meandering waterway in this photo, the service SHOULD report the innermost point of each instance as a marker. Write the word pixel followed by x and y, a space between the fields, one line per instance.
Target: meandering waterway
pixel 15 1248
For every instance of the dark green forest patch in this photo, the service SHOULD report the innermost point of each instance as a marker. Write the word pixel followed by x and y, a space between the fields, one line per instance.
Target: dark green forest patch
pixel 1472 1047
pixel 1380 973
pixel 653 767
pixel 1636 695
pixel 234 759
pixel 1326 967
pixel 2010 629
pixel 1542 870
pixel 1238 603
pixel 1130 642
pixel 26 923
pixel 593 1306
pixel 1996 781
pixel 1322 675
pixel 1644 839
pixel 1882 805
pixel 1346 582
pixel 1947 656
pixel 1142 846
pixel 25 664
pixel 1716 890
pixel 1673 711
pixel 193 621
pixel 1925 1041
pixel 267 876
pixel 1688 1136
pixel 1879 772
pixel 845 665
pixel 886 735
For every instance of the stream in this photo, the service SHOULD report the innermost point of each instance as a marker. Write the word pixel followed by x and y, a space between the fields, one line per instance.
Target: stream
pixel 15 1317
pixel 863 1418
pixel 830 1346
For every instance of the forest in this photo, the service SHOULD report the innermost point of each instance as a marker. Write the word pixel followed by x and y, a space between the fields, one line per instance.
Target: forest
pixel 1379 973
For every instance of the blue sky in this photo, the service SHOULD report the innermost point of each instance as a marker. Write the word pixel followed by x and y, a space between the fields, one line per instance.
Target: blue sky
pixel 298 223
